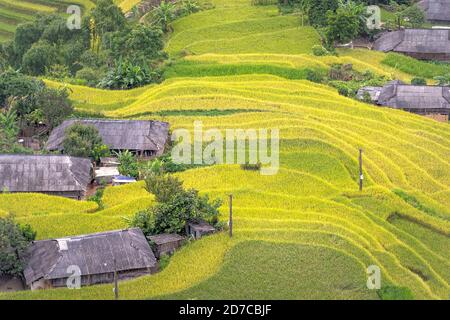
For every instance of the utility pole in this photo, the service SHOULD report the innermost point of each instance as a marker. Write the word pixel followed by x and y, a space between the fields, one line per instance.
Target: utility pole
pixel 361 176
pixel 231 216
pixel 116 284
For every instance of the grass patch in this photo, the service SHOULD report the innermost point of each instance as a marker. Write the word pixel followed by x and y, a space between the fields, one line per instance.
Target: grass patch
pixel 198 69
pixel 415 67
pixel 262 270
pixel 395 293
pixel 413 201
pixel 192 113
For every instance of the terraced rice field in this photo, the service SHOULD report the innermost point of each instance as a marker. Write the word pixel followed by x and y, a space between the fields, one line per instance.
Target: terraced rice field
pixel 14 12
pixel 306 232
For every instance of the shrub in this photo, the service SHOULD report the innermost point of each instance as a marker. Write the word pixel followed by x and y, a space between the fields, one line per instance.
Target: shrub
pixel 127 75
pixel 98 198
pixel 128 164
pixel 314 75
pixel 395 293
pixel 184 206
pixel 91 76
pixel 319 51
pixel 14 242
pixel 143 220
pixel 164 261
pixel 164 187
pixel 419 82
pixel 80 140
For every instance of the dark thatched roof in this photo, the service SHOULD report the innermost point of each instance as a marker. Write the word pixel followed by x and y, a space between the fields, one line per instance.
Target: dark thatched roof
pixel 119 134
pixel 165 238
pixel 94 254
pixel 398 95
pixel 420 41
pixel 436 10
pixel 44 173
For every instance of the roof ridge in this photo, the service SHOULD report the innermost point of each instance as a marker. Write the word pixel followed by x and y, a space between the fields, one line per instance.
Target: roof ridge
pixel 72 174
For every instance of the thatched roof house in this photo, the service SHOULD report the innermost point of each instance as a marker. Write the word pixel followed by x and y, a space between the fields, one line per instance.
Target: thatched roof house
pixel 55 175
pixel 166 243
pixel 146 138
pixel 97 256
pixel 426 44
pixel 431 101
pixel 198 229
pixel 436 10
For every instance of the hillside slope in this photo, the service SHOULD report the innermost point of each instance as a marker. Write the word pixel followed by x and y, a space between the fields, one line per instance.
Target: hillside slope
pixel 306 232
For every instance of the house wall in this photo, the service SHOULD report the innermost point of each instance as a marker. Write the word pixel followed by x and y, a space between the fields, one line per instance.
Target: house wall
pixel 102 278
pixel 167 248
pixel 76 195
pixel 428 56
pixel 41 284
pixel 437 117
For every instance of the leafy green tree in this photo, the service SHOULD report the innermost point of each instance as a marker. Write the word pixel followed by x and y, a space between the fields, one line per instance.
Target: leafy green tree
pixel 26 35
pixel 108 17
pixel 165 13
pixel 128 165
pixel 16 85
pixel 8 122
pixel 317 11
pixel 140 44
pixel 413 16
pixel 40 57
pixel 344 24
pixel 172 215
pixel 81 140
pixel 55 105
pixel 126 75
pixel 164 187
pixel 189 7
pixel 14 242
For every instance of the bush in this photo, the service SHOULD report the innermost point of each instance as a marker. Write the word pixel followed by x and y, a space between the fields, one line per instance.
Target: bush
pixel 175 207
pixel 14 242
pixel 395 293
pixel 184 206
pixel 128 164
pixel 91 76
pixel 319 51
pixel 127 75
pixel 314 75
pixel 81 141
pixel 143 220
pixel 40 57
pixel 164 187
pixel 419 82
pixel 98 198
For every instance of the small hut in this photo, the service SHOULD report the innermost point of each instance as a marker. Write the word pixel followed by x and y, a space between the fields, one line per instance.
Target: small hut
pixel 97 256
pixel 54 175
pixel 425 44
pixel 166 243
pixel 143 138
pixel 199 229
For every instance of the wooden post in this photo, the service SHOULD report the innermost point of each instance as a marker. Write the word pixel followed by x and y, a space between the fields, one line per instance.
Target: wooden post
pixel 361 176
pixel 116 284
pixel 231 216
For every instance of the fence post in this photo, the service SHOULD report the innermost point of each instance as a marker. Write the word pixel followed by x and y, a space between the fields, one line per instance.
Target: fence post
pixel 361 176
pixel 231 216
